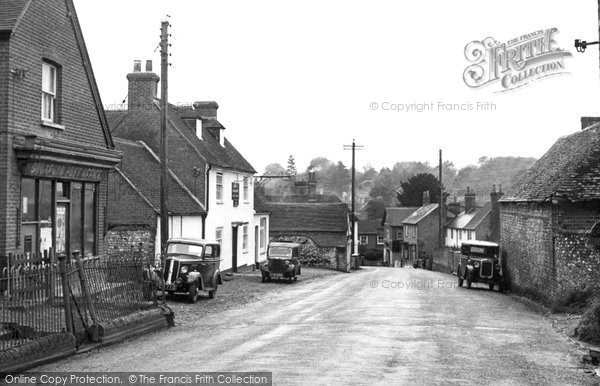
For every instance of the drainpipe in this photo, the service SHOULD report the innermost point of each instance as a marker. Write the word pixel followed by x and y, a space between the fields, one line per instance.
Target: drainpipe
pixel 206 197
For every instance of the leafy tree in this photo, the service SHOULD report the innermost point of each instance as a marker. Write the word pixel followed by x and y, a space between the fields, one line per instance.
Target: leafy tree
pixel 291 167
pixel 412 190
pixel 274 169
pixel 374 209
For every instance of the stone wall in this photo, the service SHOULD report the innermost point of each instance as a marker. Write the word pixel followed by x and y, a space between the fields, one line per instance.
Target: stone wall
pixel 137 241
pixel 547 249
pixel 311 254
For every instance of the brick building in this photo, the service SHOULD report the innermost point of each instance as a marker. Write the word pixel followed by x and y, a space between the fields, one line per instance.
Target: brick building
pixel 395 248
pixel 421 232
pixel 370 239
pixel 134 186
pixel 550 218
pixel 206 165
pixel 55 146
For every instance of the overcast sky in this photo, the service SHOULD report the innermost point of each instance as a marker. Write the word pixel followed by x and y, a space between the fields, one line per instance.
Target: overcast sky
pixel 300 77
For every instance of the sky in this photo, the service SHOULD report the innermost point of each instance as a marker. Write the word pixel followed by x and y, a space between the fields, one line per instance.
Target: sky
pixel 304 78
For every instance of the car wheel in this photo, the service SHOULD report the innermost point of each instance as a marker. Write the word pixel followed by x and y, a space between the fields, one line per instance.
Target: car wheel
pixel 460 281
pixel 263 277
pixel 469 283
pixel 295 278
pixel 213 292
pixel 491 287
pixel 193 293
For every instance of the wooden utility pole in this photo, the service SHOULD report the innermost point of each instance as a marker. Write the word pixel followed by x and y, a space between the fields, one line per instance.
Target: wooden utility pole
pixel 164 106
pixel 441 209
pixel 353 147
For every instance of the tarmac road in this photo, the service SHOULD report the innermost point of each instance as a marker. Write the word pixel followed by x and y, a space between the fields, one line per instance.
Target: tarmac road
pixel 373 326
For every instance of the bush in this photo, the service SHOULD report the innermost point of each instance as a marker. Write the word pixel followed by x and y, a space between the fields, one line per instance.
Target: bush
pixel 588 329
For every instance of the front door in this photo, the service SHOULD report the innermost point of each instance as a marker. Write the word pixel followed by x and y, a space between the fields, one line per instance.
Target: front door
pixel 234 248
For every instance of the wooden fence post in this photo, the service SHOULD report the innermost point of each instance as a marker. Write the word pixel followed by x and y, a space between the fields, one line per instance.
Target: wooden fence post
pixel 88 298
pixel 62 266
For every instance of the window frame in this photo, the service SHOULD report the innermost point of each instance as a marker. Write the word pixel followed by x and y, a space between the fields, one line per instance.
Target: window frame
pixel 219 188
pixel 263 233
pixel 245 188
pixel 380 240
pixel 365 238
pixel 245 238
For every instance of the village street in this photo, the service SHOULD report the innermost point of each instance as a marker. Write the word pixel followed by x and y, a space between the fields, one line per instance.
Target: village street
pixel 351 329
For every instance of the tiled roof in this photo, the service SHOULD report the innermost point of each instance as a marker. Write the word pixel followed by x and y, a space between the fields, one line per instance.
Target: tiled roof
pixel 420 214
pixel 472 219
pixel 145 126
pixel 142 168
pixel 10 12
pixel 395 216
pixel 314 217
pixel 368 226
pixel 569 170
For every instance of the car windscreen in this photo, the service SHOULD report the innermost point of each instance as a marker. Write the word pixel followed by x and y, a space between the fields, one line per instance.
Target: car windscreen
pixel 280 251
pixel 185 249
pixel 479 251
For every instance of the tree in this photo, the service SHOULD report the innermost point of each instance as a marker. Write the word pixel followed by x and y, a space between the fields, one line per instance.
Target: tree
pixel 374 209
pixel 291 167
pixel 274 169
pixel 412 190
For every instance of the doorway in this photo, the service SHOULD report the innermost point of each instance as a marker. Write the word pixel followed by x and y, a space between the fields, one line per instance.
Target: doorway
pixel 234 248
pixel 256 246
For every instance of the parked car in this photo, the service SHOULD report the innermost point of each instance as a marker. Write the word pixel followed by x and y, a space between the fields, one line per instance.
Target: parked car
pixel 283 261
pixel 192 265
pixel 480 262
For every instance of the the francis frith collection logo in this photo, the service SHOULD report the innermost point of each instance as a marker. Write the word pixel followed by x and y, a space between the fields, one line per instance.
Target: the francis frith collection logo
pixel 515 63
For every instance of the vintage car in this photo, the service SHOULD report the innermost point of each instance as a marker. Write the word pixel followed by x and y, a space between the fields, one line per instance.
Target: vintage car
pixel 282 262
pixel 480 262
pixel 191 266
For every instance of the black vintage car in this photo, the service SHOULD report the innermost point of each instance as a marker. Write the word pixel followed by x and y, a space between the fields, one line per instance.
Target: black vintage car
pixel 480 262
pixel 282 262
pixel 192 265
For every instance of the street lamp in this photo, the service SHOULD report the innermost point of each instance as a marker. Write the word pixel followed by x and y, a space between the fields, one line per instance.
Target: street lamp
pixel 581 45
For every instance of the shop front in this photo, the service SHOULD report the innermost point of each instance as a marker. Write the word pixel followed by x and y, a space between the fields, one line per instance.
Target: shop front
pixel 62 198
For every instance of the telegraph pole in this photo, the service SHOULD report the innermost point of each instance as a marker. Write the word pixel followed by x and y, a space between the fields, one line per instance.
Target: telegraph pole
pixel 441 214
pixel 353 147
pixel 164 105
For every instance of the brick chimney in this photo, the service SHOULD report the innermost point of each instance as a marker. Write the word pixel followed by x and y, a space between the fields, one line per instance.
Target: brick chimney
pixel 426 200
pixel 312 187
pixel 495 215
pixel 588 121
pixel 143 86
pixel 454 207
pixel 470 198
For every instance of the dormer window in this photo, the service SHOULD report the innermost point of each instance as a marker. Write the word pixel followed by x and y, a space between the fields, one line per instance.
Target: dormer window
pixel 49 93
pixel 199 128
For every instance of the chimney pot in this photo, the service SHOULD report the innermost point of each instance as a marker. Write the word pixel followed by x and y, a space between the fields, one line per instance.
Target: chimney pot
pixel 426 200
pixel 137 66
pixel 148 66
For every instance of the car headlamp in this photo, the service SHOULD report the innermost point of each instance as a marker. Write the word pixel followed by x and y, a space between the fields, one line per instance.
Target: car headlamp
pixel 476 264
pixel 184 269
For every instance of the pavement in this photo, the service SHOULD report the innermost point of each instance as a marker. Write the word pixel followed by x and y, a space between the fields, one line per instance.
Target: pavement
pixel 373 326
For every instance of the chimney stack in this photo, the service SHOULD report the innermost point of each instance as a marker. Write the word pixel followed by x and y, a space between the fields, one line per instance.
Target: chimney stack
pixel 470 198
pixel 143 86
pixel 588 121
pixel 426 200
pixel 495 214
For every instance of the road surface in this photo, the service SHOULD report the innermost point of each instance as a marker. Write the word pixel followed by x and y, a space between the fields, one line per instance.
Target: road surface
pixel 373 326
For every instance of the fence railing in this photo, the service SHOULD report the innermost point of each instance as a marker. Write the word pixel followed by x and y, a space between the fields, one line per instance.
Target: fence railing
pixel 49 294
